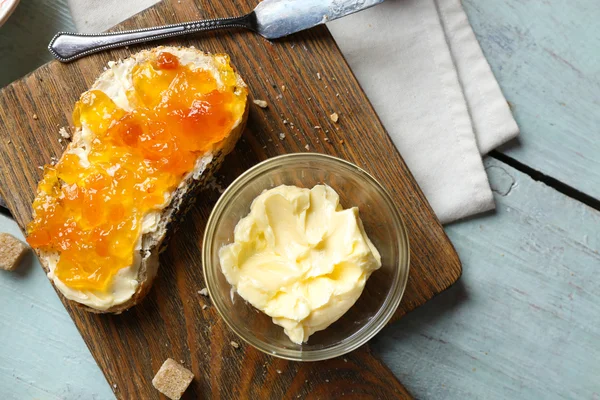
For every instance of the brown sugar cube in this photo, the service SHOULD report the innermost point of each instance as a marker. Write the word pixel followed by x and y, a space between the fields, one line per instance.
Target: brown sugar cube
pixel 172 379
pixel 11 251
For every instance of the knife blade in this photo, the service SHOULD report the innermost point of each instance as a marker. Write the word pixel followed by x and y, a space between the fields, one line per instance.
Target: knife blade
pixel 279 18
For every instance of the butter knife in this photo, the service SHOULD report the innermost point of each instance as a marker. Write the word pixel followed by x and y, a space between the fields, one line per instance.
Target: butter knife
pixel 271 19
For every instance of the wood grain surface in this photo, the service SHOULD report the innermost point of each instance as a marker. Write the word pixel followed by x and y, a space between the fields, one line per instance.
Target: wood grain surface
pixel 170 322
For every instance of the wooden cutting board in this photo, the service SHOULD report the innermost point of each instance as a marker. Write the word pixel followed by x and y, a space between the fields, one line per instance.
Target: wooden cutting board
pixel 171 322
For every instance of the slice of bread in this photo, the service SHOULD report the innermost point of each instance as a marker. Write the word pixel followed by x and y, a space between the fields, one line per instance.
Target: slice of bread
pixel 154 241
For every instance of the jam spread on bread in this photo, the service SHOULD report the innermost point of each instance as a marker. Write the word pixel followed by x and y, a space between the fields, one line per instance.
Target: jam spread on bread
pixel 91 206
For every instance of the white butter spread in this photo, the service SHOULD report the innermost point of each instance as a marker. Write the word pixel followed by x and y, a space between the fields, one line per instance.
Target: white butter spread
pixel 115 82
pixel 299 257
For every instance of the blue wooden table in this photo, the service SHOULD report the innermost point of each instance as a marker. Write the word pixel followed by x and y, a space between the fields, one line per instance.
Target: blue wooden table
pixel 524 320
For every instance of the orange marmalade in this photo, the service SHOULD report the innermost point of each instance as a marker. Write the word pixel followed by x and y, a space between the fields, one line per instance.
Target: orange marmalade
pixel 90 209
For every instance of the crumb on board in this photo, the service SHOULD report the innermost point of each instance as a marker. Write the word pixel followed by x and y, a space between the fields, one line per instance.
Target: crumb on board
pixel 341 141
pixel 318 75
pixel 35 117
pixel 317 127
pixel 114 386
pixel 282 136
pixel 307 147
pixel 334 117
pixel 203 292
pixel 235 345
pixel 172 379
pixel 12 251
pixel 204 306
pixel 285 121
pixel 41 167
pixel 260 103
pixel 63 133
pixel 327 140
pixel 278 371
pixel 283 88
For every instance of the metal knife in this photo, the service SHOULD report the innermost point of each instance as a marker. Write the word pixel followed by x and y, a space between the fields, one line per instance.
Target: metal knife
pixel 271 19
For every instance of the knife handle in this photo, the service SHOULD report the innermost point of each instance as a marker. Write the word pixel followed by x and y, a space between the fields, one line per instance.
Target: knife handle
pixel 67 46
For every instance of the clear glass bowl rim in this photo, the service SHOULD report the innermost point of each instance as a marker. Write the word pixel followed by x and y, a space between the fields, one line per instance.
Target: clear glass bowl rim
pixel 383 315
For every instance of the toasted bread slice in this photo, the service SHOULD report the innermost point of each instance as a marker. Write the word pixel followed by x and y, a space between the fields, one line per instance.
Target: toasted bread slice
pixel 130 285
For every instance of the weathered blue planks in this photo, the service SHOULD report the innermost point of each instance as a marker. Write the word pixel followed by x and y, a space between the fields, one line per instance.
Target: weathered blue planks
pixel 524 320
pixel 25 36
pixel 546 57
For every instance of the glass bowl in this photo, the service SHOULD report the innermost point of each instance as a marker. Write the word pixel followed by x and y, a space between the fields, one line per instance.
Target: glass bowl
pixel 383 225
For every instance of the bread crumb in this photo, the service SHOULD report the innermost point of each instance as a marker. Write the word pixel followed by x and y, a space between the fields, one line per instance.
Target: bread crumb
pixel 307 147
pixel 35 117
pixel 341 141
pixel 317 127
pixel 327 140
pixel 260 103
pixel 283 88
pixel 8 141
pixel 282 136
pixel 334 117
pixel 327 380
pixel 12 251
pixel 318 75
pixel 41 167
pixel 345 360
pixel 204 306
pixel 114 386
pixel 337 95
pixel 172 379
pixel 234 344
pixel 285 121
pixel 278 371
pixel 63 133
pixel 203 292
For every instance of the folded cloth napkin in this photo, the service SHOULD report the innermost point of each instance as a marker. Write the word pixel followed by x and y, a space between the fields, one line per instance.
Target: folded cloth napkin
pixel 430 84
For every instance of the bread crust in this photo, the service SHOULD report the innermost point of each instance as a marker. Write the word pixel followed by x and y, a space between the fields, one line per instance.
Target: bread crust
pixel 183 198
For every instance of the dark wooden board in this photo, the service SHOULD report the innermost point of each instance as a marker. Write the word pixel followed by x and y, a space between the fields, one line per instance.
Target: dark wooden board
pixel 170 322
